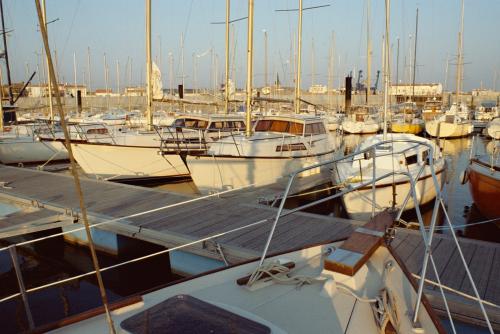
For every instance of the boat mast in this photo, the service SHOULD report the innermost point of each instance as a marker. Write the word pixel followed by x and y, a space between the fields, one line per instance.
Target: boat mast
pixel 49 83
pixel 74 72
pixel 386 64
pixel 414 59
pixel 331 61
pixel 248 129
pixel 149 90
pixel 6 54
pixel 78 188
pixel 299 60
pixel 460 47
pixel 226 89
pixel 368 52
pixel 397 69
pixel 1 105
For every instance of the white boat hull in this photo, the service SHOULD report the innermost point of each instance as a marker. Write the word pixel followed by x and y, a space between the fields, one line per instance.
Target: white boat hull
pixel 448 130
pixel 27 150
pixel 117 162
pixel 358 204
pixel 360 127
pixel 493 129
pixel 208 172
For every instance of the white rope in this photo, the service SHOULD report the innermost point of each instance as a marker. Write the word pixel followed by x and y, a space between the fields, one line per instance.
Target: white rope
pixel 279 274
pixel 129 216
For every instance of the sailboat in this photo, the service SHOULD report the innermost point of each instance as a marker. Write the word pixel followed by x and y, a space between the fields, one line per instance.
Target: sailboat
pixel 407 119
pixel 278 146
pixel 21 144
pixel 493 128
pixel 456 121
pixel 151 155
pixel 483 175
pixel 405 155
pixel 273 148
pixel 362 119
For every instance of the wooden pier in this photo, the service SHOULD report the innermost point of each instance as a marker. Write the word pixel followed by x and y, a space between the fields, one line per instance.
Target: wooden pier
pixel 54 202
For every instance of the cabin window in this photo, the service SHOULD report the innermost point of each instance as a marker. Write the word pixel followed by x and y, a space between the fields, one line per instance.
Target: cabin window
pixel 412 159
pixel 99 131
pixel 315 129
pixel 217 125
pixel 190 123
pixel 202 124
pixel 291 147
pixel 279 126
pixel 263 125
pixel 238 125
pixel 425 157
pixel 179 122
pixel 296 128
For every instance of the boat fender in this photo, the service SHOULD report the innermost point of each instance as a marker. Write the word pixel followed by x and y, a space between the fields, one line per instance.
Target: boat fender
pixel 464 177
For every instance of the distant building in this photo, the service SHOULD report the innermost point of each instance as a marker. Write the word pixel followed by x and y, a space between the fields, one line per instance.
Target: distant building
pixel 42 90
pixel 135 91
pixel 484 93
pixel 418 93
pixel 103 92
pixel 72 90
pixel 318 89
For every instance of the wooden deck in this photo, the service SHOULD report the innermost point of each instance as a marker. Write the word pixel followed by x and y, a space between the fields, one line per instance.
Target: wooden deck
pixel 182 223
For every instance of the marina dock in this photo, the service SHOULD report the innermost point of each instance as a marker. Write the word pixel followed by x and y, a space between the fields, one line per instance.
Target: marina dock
pixel 187 218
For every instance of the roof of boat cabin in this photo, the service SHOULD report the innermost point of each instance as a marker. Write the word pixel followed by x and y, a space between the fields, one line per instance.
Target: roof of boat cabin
pixel 293 118
pixel 212 117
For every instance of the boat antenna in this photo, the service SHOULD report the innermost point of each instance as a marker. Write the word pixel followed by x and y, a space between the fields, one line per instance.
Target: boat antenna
pixel 248 130
pixel 6 54
pixel 83 209
pixel 386 64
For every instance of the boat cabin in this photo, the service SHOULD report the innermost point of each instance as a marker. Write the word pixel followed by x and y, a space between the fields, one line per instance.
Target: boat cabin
pixel 295 126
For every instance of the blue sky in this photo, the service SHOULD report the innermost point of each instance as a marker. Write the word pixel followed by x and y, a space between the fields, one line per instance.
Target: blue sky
pixel 117 28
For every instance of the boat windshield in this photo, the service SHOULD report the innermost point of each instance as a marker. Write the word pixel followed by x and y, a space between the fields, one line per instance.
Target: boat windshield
pixel 268 125
pixel 191 123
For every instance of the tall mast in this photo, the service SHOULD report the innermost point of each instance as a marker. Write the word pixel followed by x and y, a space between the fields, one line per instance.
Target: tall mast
pixel 331 60
pixel 4 34
pixel 397 68
pixel 149 89
pixel 249 69
pixel 49 83
pixel 266 66
pixel 74 72
pixel 313 67
pixel 88 68
pixel 299 60
pixel 414 59
pixel 226 81
pixel 78 188
pixel 368 51
pixel 460 47
pixel 386 64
